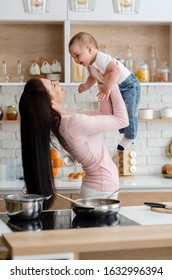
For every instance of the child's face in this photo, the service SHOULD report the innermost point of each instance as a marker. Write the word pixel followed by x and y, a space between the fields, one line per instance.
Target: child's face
pixel 81 53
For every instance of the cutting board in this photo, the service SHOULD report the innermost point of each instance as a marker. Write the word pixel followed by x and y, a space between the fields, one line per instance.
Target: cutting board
pixel 163 210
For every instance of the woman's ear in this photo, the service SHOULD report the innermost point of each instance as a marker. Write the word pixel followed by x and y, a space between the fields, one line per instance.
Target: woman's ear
pixel 52 104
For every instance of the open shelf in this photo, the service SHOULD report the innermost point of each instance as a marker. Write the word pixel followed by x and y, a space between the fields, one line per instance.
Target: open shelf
pixel 155 120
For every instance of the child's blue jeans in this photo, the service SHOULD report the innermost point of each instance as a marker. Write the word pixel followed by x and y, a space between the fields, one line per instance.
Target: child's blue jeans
pixel 130 90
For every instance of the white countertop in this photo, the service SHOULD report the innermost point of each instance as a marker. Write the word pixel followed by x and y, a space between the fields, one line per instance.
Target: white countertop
pixel 127 183
pixel 145 216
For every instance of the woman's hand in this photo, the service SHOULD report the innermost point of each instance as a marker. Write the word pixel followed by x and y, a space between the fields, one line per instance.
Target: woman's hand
pixel 103 93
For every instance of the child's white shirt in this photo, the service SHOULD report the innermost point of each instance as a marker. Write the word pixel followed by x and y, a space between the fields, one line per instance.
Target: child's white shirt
pixel 100 65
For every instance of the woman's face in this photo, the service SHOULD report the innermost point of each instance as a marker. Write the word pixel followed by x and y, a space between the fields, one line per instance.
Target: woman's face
pixel 55 90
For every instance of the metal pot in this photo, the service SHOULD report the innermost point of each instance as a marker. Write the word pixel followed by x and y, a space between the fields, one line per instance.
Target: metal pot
pixel 102 207
pixel 24 206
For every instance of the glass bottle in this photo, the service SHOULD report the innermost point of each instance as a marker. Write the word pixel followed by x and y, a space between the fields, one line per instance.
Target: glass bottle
pixel 1 113
pixel 4 77
pixel 19 77
pixel 163 72
pixel 153 64
pixel 143 72
pixel 129 61
pixel 120 58
pixel 11 112
pixel 106 48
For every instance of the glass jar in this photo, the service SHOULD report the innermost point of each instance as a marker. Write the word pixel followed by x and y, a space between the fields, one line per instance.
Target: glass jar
pixel 163 72
pixel 143 72
pixel 1 113
pixel 11 112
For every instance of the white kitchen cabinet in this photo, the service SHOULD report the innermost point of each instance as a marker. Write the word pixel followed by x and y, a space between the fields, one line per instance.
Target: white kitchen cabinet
pixel 12 10
pixel 150 11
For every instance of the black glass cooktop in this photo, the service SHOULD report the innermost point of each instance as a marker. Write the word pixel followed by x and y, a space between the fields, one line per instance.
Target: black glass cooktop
pixel 65 219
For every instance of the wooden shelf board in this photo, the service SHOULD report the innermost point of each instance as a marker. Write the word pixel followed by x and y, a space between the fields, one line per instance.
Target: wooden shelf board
pixel 155 120
pixel 9 121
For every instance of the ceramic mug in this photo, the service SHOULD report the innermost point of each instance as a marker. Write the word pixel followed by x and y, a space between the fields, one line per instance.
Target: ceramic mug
pixel 56 67
pixel 35 69
pixel 45 68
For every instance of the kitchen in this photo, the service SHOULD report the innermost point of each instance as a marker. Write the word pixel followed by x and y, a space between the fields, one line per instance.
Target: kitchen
pixel 154 135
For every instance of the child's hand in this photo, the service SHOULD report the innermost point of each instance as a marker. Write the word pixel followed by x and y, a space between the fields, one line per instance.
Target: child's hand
pixel 82 87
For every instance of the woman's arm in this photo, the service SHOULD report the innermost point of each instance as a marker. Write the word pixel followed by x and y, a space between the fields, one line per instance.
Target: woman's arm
pixel 112 116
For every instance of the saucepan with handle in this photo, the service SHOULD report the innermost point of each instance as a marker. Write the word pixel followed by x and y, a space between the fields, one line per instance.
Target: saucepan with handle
pixel 97 207
pixel 24 206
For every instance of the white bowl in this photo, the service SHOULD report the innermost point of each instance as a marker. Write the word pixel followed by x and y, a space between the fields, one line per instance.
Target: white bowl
pixel 54 77
pixel 166 113
pixel 146 114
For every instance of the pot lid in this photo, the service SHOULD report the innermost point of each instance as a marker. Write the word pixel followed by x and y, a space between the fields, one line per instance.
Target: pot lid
pixel 24 197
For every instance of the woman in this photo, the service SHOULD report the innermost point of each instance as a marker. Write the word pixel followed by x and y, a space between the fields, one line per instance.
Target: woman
pixel 80 134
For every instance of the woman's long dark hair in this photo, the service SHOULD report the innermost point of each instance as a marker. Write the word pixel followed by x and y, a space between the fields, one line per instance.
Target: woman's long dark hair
pixel 38 120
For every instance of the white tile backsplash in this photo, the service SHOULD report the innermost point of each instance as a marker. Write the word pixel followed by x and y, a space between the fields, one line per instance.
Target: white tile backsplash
pixel 150 144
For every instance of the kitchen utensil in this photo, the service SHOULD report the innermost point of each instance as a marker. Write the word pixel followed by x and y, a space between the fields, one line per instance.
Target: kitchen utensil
pixel 76 202
pixel 167 205
pixel 161 210
pixel 24 206
pixel 115 192
pixel 102 207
